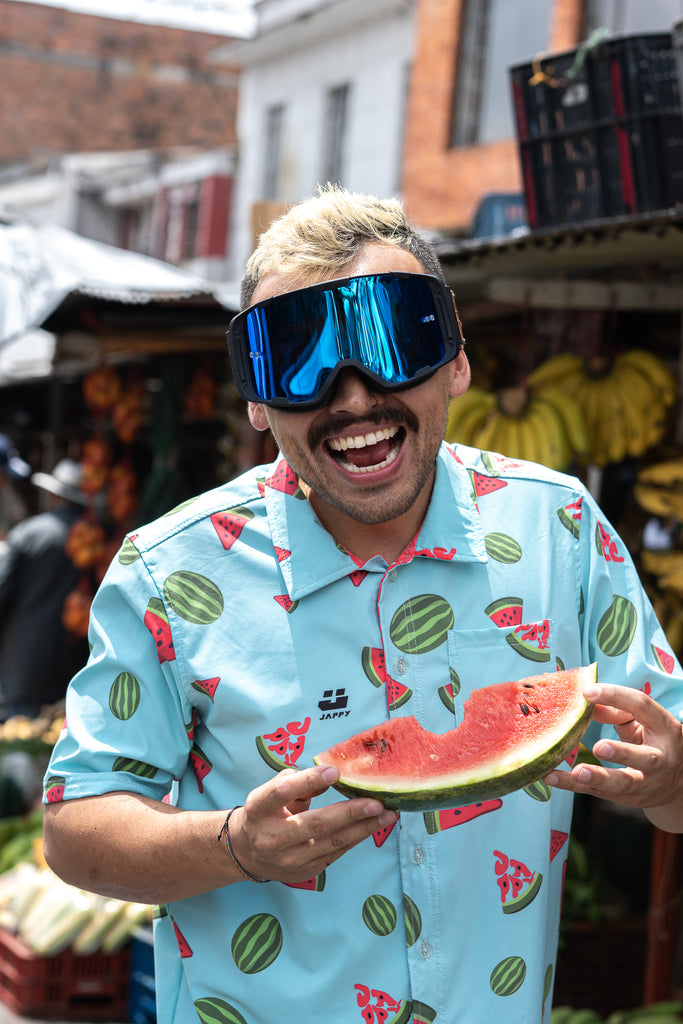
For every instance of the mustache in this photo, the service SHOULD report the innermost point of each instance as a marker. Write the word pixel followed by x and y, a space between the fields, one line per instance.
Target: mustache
pixel 380 417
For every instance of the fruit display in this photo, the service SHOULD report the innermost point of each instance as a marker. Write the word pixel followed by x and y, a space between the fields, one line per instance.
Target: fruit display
pixel 625 401
pixel 569 408
pixel 49 915
pixel 510 736
pixel 545 426
pixel 659 488
pixel 33 733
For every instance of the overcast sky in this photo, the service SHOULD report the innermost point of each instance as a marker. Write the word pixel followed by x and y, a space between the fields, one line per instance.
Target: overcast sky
pixel 228 17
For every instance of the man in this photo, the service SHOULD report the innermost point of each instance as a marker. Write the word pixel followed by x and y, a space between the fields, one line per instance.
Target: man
pixel 13 471
pixel 37 654
pixel 235 635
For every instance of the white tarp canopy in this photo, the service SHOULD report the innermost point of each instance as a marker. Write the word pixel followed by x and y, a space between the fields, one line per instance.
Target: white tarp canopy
pixel 42 265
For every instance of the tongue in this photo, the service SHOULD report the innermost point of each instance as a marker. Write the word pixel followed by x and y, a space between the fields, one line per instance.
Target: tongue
pixel 371 455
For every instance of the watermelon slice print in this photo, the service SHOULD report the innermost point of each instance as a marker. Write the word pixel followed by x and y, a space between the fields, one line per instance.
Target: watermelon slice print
pixel 314 884
pixel 183 944
pixel 283 747
pixel 284 479
pixel 664 659
pixel 378 1007
pixel 156 621
pixel 285 601
pixel 207 686
pixel 483 485
pixel 449 692
pixel 357 576
pixel 282 554
pixel 54 789
pixel 570 517
pixel 506 611
pixel 230 523
pixel 439 821
pixel 606 546
pixel 531 641
pixel 518 885
pixel 557 841
pixel 191 726
pixel 201 765
pixel 374 666
pixel 380 837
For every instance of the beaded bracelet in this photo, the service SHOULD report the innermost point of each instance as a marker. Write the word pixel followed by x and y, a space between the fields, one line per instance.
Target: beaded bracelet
pixel 233 858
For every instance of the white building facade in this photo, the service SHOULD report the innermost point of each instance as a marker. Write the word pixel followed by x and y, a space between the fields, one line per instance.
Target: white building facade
pixel 322 99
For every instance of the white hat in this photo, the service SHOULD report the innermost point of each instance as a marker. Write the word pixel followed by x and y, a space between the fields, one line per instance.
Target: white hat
pixel 65 481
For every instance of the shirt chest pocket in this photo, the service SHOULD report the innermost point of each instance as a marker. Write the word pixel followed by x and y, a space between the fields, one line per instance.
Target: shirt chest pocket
pixel 497 654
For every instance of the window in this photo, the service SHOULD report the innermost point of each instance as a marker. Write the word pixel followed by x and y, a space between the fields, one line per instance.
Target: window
pixel 495 35
pixel 273 151
pixel 334 134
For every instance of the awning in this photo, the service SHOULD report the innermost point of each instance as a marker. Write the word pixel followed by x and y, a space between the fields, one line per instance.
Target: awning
pixel 46 269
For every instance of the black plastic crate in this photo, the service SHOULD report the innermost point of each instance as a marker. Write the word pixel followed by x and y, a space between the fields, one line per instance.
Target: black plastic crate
pixel 600 130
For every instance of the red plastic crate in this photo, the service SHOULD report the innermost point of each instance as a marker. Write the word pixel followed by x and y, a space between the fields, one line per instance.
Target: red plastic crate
pixel 67 987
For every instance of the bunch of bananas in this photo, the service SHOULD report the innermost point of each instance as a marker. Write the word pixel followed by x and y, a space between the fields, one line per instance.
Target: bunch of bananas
pixel 544 426
pixel 659 489
pixel 625 402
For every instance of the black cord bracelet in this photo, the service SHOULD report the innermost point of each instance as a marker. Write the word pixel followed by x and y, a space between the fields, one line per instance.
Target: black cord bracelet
pixel 225 829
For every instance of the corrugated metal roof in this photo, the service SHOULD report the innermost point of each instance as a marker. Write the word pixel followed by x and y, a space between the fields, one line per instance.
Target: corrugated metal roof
pixel 42 266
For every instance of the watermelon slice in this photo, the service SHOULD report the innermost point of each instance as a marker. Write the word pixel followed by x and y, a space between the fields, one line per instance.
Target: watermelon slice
pixel 512 734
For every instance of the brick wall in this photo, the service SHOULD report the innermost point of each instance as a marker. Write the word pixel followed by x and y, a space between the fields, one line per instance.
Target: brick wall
pixel 77 83
pixel 442 185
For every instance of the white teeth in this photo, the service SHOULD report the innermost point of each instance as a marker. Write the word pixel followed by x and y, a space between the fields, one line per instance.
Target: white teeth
pixel 340 444
pixel 371 469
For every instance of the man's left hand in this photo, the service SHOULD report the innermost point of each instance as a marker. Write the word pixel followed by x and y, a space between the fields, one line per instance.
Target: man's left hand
pixel 649 755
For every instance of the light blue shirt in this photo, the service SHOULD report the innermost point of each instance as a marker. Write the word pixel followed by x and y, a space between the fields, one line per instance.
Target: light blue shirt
pixel 233 635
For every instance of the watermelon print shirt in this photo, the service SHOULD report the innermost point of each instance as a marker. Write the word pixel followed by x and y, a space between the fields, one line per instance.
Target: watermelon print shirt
pixel 233 636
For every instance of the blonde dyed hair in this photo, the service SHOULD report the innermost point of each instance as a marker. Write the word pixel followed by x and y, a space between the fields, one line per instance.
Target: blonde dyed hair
pixel 318 238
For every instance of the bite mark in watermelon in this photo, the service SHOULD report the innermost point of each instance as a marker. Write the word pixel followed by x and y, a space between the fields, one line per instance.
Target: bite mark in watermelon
pixel 511 735
pixel 230 523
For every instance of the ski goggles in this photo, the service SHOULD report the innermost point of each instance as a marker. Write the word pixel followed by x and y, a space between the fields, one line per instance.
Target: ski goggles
pixel 396 328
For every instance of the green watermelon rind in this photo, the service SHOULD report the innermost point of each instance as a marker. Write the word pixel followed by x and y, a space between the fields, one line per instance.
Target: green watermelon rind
pixel 422 1013
pixel 507 977
pixel 443 793
pixel 124 696
pixel 193 597
pixel 256 943
pixel 502 548
pixel 128 553
pixel 526 897
pixel 212 1010
pixel 379 914
pixel 568 521
pixel 527 650
pixel 421 624
pixel 503 604
pixel 617 627
pixel 412 919
pixel 276 763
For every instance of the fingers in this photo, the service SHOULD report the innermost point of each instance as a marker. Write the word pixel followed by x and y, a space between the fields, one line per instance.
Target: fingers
pixel 278 835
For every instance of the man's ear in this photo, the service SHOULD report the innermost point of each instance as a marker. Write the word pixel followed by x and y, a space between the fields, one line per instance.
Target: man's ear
pixel 257 416
pixel 459 375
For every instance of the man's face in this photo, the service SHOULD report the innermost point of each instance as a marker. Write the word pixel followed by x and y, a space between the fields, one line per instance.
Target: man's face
pixel 367 454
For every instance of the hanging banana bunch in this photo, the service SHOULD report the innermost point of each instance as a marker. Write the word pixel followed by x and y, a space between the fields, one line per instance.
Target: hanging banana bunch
pixel 659 489
pixel 545 426
pixel 625 403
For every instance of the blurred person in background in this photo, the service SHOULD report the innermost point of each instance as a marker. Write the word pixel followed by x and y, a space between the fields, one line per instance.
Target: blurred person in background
pixel 37 654
pixel 13 471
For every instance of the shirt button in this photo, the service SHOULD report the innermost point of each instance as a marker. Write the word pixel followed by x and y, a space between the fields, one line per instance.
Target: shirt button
pixel 419 855
pixel 401 666
pixel 425 949
pixel 392 574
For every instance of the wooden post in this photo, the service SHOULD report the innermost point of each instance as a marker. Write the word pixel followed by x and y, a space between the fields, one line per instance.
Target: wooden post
pixel 662 925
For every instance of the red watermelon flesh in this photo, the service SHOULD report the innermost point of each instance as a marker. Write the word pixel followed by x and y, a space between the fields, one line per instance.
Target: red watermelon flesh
pixel 485 484
pixel 512 734
pixel 158 626
pixel 230 523
pixel 664 659
pixel 557 841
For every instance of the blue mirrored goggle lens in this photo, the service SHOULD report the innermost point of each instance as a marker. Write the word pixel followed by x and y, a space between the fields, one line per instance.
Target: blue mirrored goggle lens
pixel 395 328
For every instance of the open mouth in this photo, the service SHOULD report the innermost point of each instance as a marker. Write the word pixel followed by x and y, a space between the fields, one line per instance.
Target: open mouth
pixel 366 453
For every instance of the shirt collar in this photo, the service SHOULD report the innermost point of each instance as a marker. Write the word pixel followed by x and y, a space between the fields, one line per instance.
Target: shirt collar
pixel 310 558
